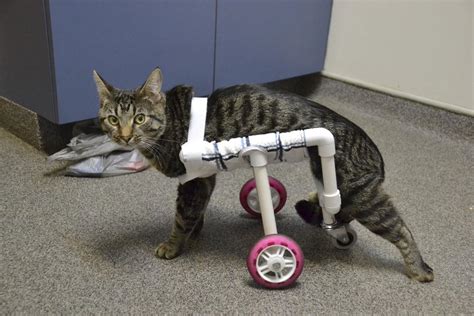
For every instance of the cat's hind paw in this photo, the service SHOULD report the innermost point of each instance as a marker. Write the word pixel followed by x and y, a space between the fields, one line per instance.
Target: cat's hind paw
pixel 167 250
pixel 309 212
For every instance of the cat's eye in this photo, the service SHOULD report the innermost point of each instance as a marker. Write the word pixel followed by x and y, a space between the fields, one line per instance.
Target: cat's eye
pixel 113 120
pixel 139 119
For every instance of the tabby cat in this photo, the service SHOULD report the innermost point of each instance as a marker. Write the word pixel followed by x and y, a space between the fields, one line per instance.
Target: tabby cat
pixel 157 124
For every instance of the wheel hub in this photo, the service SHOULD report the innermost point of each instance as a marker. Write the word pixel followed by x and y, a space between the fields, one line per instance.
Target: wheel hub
pixel 276 263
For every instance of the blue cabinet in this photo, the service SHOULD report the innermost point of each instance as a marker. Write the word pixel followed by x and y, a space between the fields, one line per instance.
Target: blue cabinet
pixel 268 40
pixel 124 40
pixel 26 72
pixel 48 48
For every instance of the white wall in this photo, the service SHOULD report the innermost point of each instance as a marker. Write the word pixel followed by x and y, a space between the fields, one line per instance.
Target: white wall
pixel 419 49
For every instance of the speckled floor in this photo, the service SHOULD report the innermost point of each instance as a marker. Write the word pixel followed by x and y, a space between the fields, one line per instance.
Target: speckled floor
pixel 74 245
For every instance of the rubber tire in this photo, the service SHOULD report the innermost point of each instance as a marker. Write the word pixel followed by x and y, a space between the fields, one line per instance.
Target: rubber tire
pixel 352 234
pixel 272 240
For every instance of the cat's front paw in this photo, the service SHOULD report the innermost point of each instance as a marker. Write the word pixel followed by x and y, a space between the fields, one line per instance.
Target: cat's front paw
pixel 167 250
pixel 423 273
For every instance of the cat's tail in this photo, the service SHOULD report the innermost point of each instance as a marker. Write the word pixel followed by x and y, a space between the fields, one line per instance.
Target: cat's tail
pixel 310 210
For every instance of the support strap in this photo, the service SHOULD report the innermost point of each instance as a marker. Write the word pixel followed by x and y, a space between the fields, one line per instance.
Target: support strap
pixel 193 147
pixel 197 124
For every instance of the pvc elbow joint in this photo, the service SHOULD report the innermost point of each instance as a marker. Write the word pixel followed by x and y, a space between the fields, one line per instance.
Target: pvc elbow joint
pixel 322 138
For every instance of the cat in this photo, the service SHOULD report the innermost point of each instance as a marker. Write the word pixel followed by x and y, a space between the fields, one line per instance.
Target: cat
pixel 157 123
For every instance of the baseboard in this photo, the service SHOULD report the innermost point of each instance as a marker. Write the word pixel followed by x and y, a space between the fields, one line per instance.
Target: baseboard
pixel 400 94
pixel 32 128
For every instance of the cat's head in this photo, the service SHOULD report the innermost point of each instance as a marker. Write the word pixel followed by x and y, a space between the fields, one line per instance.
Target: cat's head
pixel 132 117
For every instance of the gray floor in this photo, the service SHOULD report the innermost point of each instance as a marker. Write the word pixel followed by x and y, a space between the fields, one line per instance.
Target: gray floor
pixel 74 245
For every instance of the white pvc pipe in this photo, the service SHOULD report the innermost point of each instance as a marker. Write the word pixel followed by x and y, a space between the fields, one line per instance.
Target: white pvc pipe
pixel 203 159
pixel 258 160
pixel 332 197
pixel 323 138
pixel 328 218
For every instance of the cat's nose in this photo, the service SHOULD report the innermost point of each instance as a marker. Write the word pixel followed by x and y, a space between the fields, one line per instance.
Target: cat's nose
pixel 126 138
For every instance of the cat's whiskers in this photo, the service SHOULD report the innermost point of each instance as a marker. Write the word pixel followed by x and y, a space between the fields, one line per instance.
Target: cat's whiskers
pixel 154 142
pixel 169 140
pixel 157 154
pixel 155 148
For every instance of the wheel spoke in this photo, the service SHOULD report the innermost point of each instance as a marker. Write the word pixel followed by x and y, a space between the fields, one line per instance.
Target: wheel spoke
pixel 280 251
pixel 289 262
pixel 265 255
pixel 264 270
pixel 279 275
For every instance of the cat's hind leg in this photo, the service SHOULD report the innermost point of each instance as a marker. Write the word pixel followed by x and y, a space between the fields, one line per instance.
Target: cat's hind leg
pixel 377 212
pixel 193 197
pixel 311 209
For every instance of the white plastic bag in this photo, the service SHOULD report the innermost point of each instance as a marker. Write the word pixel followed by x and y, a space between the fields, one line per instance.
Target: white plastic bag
pixel 99 156
pixel 114 164
pixel 85 146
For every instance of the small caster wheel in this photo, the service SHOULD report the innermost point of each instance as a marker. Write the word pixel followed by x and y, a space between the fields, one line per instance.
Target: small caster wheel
pixel 275 261
pixel 249 196
pixel 346 244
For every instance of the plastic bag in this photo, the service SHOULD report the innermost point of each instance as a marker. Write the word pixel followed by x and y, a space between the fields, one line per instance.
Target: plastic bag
pixel 99 156
pixel 113 164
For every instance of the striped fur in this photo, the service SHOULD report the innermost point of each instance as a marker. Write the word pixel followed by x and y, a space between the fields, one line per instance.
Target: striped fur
pixel 245 110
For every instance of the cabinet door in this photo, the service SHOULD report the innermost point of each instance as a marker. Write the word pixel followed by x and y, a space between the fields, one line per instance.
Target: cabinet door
pixel 25 64
pixel 124 41
pixel 265 40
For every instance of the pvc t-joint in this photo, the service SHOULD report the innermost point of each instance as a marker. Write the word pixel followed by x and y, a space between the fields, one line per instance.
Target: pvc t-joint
pixel 257 155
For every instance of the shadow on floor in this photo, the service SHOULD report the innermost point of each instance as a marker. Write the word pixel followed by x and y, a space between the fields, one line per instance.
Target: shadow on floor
pixel 137 243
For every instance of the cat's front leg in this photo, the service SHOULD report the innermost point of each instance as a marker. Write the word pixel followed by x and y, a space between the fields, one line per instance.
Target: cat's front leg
pixel 193 197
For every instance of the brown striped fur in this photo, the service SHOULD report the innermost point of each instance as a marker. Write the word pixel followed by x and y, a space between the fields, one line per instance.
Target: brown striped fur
pixel 248 110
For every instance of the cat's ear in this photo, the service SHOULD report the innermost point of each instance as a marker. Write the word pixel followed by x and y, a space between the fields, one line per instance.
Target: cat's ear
pixel 151 89
pixel 103 88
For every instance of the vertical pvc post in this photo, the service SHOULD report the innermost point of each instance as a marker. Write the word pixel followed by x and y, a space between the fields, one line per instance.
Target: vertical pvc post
pixel 328 219
pixel 329 175
pixel 323 138
pixel 258 161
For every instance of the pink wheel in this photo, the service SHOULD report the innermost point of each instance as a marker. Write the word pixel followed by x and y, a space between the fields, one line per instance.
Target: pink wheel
pixel 275 261
pixel 249 197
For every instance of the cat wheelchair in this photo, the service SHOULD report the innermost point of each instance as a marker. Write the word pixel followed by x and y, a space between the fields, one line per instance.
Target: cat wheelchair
pixel 275 261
